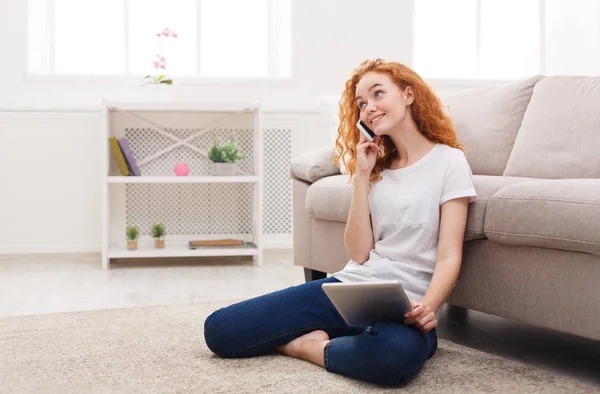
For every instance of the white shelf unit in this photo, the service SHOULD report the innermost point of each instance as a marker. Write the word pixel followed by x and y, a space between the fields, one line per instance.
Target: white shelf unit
pixel 187 179
pixel 163 134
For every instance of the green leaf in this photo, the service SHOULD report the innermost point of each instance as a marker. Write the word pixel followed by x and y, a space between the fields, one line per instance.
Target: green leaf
pixel 132 233
pixel 158 231
pixel 160 77
pixel 224 153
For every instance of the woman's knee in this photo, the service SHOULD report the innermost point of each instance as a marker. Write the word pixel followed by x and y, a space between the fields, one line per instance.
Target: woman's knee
pixel 214 330
pixel 400 357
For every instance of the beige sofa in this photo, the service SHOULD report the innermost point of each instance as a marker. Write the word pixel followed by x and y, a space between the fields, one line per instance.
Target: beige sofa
pixel 532 243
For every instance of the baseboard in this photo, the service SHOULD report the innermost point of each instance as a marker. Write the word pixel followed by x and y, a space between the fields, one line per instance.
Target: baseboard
pixel 48 249
pixel 278 241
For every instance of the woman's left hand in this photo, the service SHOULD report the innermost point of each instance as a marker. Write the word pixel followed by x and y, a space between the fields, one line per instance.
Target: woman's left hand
pixel 422 317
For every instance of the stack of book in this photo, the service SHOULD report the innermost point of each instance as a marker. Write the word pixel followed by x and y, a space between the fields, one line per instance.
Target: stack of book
pixel 220 243
pixel 125 160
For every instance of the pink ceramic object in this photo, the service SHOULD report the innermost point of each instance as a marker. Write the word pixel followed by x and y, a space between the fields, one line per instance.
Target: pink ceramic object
pixel 182 169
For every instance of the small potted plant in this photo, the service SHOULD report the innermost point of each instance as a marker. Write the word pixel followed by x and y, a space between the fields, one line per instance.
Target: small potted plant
pixel 160 62
pixel 158 84
pixel 158 233
pixel 132 237
pixel 224 157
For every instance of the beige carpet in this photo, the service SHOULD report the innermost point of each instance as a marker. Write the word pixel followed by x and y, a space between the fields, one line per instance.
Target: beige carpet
pixel 161 349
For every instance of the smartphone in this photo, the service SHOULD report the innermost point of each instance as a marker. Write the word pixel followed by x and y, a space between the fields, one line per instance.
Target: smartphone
pixel 362 126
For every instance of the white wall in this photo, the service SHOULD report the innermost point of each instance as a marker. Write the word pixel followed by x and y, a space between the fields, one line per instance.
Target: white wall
pixel 50 176
pixel 329 39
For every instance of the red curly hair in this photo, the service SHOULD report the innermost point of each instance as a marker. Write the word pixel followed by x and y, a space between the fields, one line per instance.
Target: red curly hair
pixel 426 110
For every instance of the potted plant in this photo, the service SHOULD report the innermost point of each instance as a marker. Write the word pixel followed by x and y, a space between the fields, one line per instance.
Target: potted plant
pixel 160 62
pixel 158 84
pixel 158 233
pixel 223 157
pixel 132 237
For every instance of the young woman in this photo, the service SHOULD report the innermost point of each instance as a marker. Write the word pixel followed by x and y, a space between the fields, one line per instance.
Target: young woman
pixel 412 187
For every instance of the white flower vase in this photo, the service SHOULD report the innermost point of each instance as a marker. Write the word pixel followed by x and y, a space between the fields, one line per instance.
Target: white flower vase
pixel 223 169
pixel 161 92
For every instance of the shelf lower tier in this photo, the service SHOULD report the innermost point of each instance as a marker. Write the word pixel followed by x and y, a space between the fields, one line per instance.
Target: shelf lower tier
pixel 177 250
pixel 182 179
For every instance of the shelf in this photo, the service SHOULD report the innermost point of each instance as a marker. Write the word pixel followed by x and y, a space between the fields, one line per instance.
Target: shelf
pixel 169 131
pixel 182 179
pixel 182 106
pixel 176 250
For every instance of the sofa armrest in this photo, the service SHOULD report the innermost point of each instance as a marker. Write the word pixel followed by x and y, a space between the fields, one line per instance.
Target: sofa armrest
pixel 314 165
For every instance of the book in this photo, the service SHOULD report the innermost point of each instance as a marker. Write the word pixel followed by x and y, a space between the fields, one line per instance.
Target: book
pixel 220 243
pixel 217 242
pixel 118 154
pixel 133 167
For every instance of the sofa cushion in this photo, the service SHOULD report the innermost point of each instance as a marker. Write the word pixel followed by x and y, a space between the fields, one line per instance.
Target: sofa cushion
pixel 314 164
pixel 487 120
pixel 485 186
pixel 560 134
pixel 329 198
pixel 558 214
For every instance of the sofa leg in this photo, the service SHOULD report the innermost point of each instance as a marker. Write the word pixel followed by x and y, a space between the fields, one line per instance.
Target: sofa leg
pixel 457 314
pixel 310 275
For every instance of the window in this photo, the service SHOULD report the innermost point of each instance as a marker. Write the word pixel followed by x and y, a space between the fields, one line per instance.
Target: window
pixel 506 39
pixel 215 38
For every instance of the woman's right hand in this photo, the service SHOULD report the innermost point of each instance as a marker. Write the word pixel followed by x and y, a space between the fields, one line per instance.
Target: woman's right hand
pixel 366 155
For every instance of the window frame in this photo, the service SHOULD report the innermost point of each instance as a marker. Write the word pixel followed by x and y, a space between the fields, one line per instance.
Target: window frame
pixel 137 79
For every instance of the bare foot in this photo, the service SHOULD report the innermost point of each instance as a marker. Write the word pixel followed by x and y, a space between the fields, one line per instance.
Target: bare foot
pixel 299 346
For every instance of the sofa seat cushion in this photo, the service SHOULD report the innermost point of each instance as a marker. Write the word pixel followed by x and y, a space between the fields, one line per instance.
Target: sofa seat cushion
pixel 485 186
pixel 548 213
pixel 329 198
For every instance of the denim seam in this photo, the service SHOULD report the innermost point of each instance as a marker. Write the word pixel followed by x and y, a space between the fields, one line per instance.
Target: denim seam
pixel 326 356
pixel 335 342
pixel 315 327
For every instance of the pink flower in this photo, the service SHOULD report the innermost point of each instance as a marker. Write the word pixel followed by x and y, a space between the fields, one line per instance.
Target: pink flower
pixel 160 62
pixel 167 33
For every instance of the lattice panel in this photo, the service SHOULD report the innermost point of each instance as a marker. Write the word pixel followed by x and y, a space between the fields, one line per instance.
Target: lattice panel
pixel 209 208
pixel 145 142
pixel 278 185
pixel 191 208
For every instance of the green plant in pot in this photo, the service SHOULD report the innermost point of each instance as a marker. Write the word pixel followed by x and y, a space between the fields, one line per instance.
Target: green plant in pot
pixel 133 234
pixel 223 157
pixel 158 233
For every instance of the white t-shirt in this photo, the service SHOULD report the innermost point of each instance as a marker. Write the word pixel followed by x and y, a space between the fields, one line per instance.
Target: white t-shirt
pixel 405 213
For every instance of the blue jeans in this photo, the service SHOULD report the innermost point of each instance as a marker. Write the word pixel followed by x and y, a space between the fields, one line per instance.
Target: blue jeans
pixel 386 353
